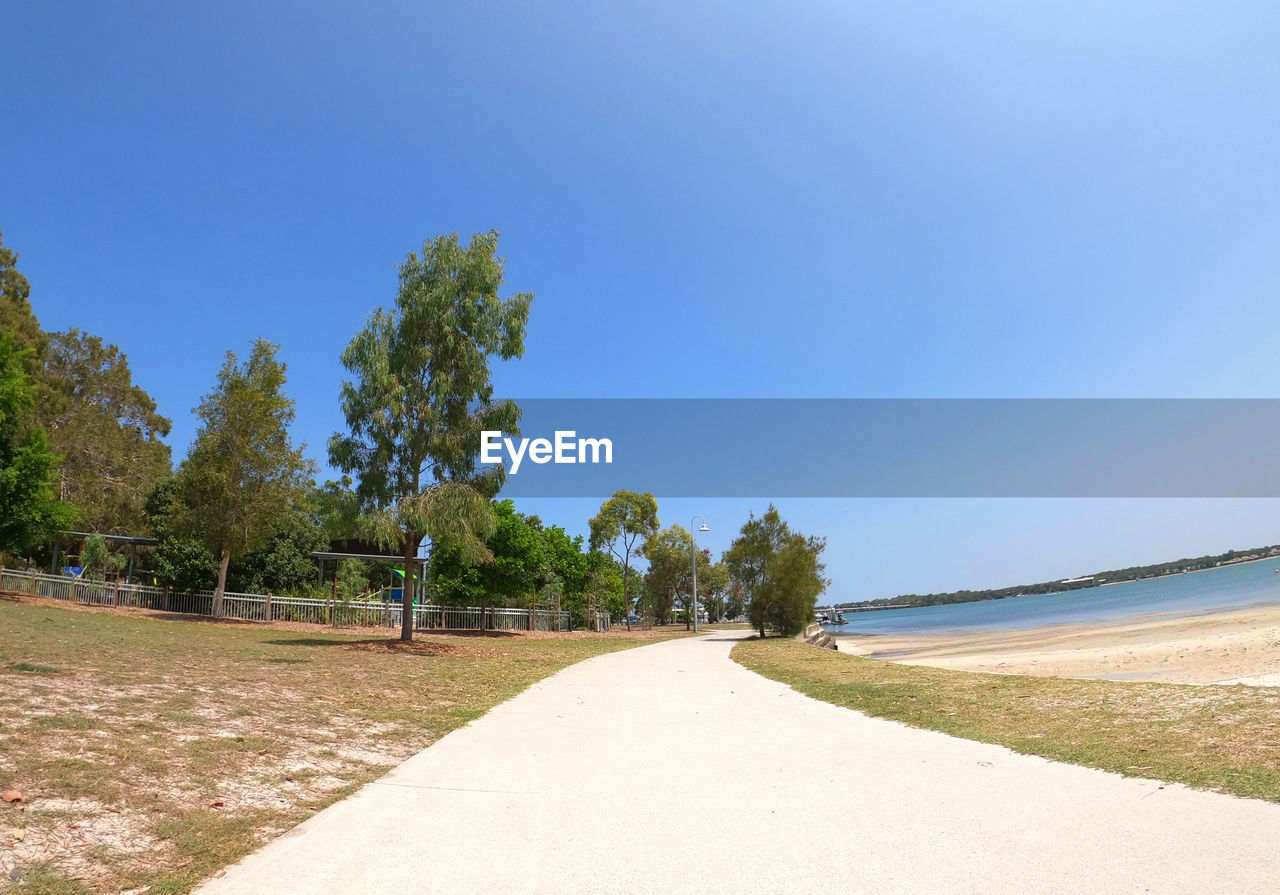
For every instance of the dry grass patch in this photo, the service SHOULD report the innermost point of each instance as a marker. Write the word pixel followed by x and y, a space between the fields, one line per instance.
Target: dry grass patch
pixel 1219 738
pixel 155 752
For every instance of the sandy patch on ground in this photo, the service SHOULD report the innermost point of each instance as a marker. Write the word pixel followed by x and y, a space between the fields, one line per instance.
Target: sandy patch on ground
pixel 74 832
pixel 87 839
pixel 1239 646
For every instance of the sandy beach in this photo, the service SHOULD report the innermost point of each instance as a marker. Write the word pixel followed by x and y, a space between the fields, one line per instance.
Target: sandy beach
pixel 1239 646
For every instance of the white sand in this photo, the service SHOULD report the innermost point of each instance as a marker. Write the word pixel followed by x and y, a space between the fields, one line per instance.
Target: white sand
pixel 1240 646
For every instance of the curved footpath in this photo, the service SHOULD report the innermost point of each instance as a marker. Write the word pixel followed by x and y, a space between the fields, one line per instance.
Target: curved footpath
pixel 670 768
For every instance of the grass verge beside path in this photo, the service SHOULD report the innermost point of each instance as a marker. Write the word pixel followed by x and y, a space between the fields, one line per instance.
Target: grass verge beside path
pixel 1220 738
pixel 154 752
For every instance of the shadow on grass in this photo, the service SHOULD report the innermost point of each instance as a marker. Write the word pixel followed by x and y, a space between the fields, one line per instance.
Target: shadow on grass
pixel 468 632
pixel 393 641
pixel 412 647
pixel 31 668
pixel 381 645
pixel 311 641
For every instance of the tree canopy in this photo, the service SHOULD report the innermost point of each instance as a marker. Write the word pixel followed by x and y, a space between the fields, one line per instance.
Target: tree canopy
pixel 80 441
pixel 106 430
pixel 181 561
pixel 511 572
pixel 601 592
pixel 16 316
pixel 669 578
pixel 97 559
pixel 30 512
pixel 713 587
pixel 779 571
pixel 243 473
pixel 421 396
pixel 283 562
pixel 624 519
pixel 280 564
pixel 529 563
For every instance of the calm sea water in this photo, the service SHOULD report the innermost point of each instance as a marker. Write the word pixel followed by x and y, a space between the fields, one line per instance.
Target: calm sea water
pixel 1195 593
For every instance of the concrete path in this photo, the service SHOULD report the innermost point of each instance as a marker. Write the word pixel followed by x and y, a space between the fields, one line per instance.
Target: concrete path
pixel 669 768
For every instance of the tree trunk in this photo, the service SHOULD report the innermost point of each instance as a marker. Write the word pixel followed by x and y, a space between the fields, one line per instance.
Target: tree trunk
pixel 216 609
pixel 626 573
pixel 407 592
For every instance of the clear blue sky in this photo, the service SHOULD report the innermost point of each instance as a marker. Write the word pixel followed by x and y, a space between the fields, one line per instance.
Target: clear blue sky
pixel 715 199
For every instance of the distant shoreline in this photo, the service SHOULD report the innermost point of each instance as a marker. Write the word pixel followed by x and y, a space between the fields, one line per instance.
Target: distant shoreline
pixel 1234 562
pixel 1222 565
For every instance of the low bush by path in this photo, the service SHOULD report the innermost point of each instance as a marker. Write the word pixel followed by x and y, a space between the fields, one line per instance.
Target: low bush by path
pixel 1224 738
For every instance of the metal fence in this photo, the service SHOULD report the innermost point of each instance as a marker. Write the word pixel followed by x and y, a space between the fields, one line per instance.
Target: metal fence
pixel 259 607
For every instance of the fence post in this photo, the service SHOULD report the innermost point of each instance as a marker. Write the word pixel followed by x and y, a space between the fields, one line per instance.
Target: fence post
pixel 333 602
pixel 115 593
pixel 33 581
pixel 268 610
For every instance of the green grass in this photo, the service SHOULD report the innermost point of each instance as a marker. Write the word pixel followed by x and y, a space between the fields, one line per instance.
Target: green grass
pixel 32 668
pixel 208 739
pixel 1220 738
pixel 45 879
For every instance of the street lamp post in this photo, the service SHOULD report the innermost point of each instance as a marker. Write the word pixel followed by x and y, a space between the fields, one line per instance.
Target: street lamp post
pixel 693 557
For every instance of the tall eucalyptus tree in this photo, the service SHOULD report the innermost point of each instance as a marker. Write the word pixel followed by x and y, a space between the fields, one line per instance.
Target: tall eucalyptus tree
pixel 421 395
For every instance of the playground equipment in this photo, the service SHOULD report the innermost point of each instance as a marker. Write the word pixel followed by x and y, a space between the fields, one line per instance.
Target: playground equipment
pixel 131 541
pixel 396 594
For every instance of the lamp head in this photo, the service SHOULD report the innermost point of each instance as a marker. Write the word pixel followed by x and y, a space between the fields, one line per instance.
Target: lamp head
pixel 704 527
